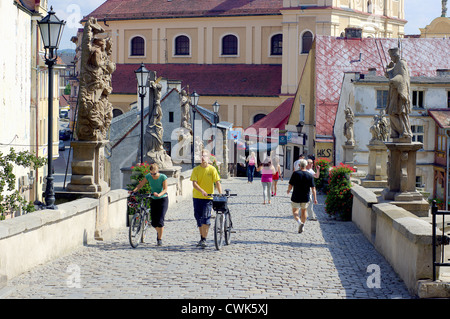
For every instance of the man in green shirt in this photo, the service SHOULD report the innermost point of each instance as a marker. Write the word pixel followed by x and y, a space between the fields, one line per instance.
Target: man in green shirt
pixel 203 178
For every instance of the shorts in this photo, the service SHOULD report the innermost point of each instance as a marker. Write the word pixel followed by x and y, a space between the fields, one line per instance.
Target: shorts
pixel 300 205
pixel 202 211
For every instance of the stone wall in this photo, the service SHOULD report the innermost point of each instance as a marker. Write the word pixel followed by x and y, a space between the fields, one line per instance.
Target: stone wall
pixel 39 237
pixel 404 239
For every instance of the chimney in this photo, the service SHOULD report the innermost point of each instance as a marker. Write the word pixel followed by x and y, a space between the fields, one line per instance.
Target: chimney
pixel 353 33
pixel 372 71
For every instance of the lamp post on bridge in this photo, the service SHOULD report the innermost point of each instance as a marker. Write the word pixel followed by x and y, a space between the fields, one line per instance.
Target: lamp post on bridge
pixel 51 29
pixel 142 76
pixel 194 102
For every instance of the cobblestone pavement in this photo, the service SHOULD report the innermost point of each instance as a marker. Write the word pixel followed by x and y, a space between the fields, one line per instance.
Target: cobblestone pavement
pixel 267 258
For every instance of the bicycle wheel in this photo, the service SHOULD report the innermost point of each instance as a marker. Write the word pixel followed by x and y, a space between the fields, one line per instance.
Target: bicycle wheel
pixel 145 225
pixel 228 225
pixel 219 230
pixel 135 230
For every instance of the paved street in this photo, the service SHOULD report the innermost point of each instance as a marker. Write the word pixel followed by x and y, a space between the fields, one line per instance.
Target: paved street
pixel 267 259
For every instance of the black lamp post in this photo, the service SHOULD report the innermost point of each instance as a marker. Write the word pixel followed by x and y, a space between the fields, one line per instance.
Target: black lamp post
pixel 142 76
pixel 51 29
pixel 194 102
pixel 216 107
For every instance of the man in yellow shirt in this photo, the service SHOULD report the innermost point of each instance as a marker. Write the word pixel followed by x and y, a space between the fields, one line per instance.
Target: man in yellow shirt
pixel 203 178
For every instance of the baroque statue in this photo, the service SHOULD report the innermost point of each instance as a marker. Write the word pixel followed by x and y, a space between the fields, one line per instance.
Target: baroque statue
pixel 399 102
pixel 94 109
pixel 154 151
pixel 348 126
pixel 379 128
pixel 185 111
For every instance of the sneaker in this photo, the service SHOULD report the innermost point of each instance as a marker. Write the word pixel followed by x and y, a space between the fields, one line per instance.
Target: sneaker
pixel 199 243
pixel 159 242
pixel 300 228
pixel 203 243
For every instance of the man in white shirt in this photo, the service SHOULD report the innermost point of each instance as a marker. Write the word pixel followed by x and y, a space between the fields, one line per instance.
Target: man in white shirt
pixel 315 174
pixel 297 162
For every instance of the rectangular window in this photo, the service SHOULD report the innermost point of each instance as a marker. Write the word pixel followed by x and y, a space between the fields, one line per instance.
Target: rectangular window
pixel 448 99
pixel 382 97
pixel 171 117
pixel 419 181
pixel 302 112
pixel 418 133
pixel 417 99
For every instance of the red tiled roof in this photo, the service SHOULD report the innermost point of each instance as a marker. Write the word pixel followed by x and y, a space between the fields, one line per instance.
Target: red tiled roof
pixel 441 117
pixel 275 119
pixel 151 9
pixel 334 56
pixel 207 79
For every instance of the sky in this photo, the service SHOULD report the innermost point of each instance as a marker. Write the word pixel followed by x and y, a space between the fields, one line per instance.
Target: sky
pixel 419 14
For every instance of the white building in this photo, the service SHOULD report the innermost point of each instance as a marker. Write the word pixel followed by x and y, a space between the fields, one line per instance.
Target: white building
pixel 366 95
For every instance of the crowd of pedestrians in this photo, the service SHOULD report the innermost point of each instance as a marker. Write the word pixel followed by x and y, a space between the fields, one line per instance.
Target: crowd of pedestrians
pixel 206 181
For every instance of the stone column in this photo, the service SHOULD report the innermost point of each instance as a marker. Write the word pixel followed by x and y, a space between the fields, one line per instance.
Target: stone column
pixel 88 168
pixel 402 178
pixel 377 169
pixel 349 151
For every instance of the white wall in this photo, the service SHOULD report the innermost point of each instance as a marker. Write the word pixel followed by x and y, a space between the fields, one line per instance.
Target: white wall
pixel 15 80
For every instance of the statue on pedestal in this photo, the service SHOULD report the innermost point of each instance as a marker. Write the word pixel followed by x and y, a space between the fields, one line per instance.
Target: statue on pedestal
pixel 379 129
pixel 153 137
pixel 348 126
pixel 399 102
pixel 94 109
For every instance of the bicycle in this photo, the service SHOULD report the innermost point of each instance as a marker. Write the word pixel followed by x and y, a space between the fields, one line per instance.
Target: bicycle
pixel 141 219
pixel 223 224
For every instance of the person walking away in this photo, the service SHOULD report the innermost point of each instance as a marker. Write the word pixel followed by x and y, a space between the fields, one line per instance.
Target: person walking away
pixel 276 176
pixel 159 199
pixel 301 182
pixel 315 174
pixel 267 171
pixel 251 164
pixel 204 177
pixel 297 162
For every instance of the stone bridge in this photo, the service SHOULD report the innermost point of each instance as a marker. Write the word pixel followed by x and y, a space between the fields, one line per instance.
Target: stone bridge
pixel 267 258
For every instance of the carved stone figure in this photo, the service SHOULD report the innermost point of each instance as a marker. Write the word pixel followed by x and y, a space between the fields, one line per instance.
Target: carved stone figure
pixel 348 126
pixel 185 110
pixel 153 137
pixel 94 109
pixel 399 103
pixel 444 8
pixel 379 129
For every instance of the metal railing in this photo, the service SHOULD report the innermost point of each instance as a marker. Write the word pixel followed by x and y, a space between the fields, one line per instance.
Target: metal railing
pixel 439 240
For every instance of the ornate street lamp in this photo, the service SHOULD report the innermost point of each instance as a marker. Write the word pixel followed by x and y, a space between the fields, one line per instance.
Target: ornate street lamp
pixel 51 29
pixel 142 76
pixel 216 107
pixel 194 102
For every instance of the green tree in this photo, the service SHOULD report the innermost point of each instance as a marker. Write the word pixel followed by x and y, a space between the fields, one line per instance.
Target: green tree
pixel 339 201
pixel 14 202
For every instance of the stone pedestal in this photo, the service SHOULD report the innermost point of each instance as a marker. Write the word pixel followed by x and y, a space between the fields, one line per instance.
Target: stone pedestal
pixel 377 170
pixel 88 168
pixel 401 190
pixel 349 151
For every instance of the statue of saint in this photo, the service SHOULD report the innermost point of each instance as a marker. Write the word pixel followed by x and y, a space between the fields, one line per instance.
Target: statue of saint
pixel 379 129
pixel 185 110
pixel 95 111
pixel 348 126
pixel 399 102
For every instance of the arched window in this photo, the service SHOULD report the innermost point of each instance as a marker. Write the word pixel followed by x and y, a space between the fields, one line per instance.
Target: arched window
pixel 257 117
pixel 117 112
pixel 276 45
pixel 307 40
pixel 182 46
pixel 229 45
pixel 369 6
pixel 137 46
